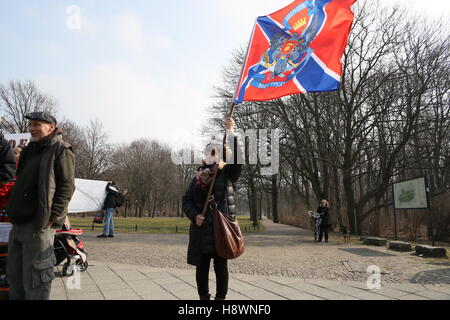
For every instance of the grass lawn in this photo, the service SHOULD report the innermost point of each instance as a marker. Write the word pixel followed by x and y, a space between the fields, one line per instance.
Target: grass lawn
pixel 151 226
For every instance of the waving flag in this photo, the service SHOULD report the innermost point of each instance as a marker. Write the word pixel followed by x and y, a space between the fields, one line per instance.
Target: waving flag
pixel 297 49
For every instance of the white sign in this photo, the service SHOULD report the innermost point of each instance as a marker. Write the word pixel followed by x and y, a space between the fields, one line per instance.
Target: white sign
pixel 5 228
pixel 18 139
pixel 89 196
pixel 410 194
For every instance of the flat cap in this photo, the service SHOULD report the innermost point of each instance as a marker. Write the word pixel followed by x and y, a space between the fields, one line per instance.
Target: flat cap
pixel 41 116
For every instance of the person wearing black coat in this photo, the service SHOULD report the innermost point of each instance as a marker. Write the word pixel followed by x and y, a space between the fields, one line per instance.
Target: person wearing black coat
pixel 324 210
pixel 201 247
pixel 110 206
pixel 7 161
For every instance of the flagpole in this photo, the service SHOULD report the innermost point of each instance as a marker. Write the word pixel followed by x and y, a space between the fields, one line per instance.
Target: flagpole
pixel 230 115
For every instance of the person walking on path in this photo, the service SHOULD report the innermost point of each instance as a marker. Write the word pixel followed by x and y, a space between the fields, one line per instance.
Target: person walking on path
pixel 37 206
pixel 113 200
pixel 201 234
pixel 324 211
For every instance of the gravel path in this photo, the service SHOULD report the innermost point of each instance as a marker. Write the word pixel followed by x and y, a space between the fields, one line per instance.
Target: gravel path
pixel 279 250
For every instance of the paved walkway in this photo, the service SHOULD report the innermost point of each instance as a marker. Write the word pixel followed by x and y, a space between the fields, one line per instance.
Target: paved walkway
pixel 129 282
pixel 280 263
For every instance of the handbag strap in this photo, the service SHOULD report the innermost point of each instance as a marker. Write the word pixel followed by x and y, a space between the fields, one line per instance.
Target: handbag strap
pixel 211 187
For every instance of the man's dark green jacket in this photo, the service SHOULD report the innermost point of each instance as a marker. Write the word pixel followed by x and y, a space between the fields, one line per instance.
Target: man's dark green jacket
pixel 45 183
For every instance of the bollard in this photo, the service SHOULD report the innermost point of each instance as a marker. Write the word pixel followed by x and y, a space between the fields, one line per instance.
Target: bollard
pixel 136 228
pixel 93 227
pixel 176 229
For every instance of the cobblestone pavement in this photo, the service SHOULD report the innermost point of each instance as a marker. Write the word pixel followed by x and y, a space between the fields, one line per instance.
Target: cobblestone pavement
pixel 280 250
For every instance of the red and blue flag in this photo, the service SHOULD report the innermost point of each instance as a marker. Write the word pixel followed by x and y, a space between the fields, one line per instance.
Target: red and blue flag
pixel 297 49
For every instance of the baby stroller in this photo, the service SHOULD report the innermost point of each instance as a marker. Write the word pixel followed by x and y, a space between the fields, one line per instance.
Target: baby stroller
pixel 68 247
pixel 317 220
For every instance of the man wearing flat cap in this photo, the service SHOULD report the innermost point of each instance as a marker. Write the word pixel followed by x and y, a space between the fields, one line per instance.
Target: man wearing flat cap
pixel 37 206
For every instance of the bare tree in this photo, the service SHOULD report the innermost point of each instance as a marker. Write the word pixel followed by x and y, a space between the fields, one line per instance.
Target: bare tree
pixel 17 99
pixel 93 155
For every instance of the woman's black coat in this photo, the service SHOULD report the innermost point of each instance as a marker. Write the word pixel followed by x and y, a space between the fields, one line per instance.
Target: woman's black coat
pixel 201 239
pixel 325 217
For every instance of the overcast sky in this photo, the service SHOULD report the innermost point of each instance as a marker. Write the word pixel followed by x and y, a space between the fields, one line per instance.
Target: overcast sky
pixel 145 68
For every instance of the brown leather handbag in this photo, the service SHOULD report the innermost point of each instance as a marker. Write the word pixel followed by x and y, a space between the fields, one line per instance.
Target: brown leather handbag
pixel 228 237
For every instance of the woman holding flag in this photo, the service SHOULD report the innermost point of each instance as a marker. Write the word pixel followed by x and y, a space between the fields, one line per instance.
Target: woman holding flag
pixel 201 248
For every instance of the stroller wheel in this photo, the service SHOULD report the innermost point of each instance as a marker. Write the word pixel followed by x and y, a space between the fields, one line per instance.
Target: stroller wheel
pixel 66 271
pixel 82 266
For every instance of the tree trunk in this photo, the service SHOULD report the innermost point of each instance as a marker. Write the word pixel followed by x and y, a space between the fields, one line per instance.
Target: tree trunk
pixel 275 199
pixel 253 200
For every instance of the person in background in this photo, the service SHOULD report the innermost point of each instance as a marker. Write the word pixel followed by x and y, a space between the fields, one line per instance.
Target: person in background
pixel 324 210
pixel 37 206
pixel 8 166
pixel 17 151
pixel 110 206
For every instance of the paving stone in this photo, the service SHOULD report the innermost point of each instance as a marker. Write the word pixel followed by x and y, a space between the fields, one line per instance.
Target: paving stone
pixel 130 276
pixel 58 294
pixel 85 288
pixel 179 289
pixel 285 280
pixel 434 295
pixel 316 291
pixel 371 295
pixel 261 294
pixel 413 297
pixel 236 296
pixel 406 287
pixel 392 293
pixel 302 296
pixel 124 294
pixel 322 283
pixel 239 286
pixel 86 296
pixel 113 286
pixel 357 284
pixel 169 279
pixel 441 289
pixel 159 296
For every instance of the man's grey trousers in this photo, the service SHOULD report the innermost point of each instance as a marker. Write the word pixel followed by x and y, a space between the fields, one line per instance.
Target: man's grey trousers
pixel 30 263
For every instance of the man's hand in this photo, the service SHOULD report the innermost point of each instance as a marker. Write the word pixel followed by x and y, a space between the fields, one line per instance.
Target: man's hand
pixel 222 165
pixel 199 219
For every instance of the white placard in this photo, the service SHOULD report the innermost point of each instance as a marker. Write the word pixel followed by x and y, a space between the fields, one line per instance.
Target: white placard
pixel 89 196
pixel 411 194
pixel 5 228
pixel 18 139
